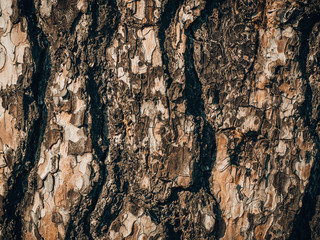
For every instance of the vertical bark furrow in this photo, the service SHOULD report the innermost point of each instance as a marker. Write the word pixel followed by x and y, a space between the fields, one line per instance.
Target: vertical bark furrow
pixel 25 103
pixel 159 119
pixel 304 224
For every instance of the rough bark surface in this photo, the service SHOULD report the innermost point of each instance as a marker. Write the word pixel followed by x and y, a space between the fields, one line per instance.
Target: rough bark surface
pixel 159 119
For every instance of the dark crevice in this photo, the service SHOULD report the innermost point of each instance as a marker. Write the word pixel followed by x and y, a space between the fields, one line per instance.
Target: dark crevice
pixel 195 106
pixel 109 215
pixel 98 110
pixel 173 234
pixel 18 181
pixel 220 225
pixel 100 145
pixel 100 142
pixel 193 88
pixel 99 129
pixel 168 14
pixel 301 225
pixel 161 212
pixel 306 26
pixel 75 23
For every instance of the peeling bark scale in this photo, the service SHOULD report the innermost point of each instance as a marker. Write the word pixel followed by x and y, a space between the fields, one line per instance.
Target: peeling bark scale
pixel 159 119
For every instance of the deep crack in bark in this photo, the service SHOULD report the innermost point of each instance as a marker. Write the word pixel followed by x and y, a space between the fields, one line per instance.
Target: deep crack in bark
pixel 18 181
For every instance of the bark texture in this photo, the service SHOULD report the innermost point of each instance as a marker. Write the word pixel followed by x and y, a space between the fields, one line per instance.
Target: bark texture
pixel 159 119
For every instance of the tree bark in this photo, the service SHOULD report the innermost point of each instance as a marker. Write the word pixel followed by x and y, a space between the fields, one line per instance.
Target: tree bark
pixel 150 119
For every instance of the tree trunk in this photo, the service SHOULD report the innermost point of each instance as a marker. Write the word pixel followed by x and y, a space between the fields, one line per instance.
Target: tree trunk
pixel 150 119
